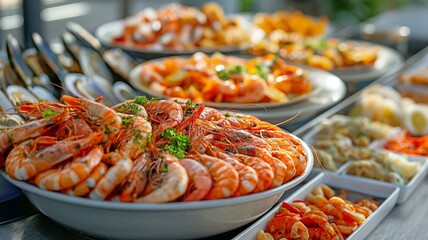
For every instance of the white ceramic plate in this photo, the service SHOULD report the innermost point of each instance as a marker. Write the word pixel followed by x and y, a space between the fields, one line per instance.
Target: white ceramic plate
pixel 108 30
pixel 114 220
pixel 134 80
pixel 387 59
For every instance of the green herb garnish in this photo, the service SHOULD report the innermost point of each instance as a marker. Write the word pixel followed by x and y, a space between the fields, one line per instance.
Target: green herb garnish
pixel 261 70
pixel 225 73
pixel 142 100
pixel 127 120
pixel 191 104
pixel 9 138
pixel 129 108
pixel 227 114
pixel 49 113
pixel 178 143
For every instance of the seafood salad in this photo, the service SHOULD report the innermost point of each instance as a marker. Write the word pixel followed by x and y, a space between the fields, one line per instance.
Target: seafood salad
pixel 327 54
pixel 220 78
pixel 178 27
pixel 147 150
pixel 324 214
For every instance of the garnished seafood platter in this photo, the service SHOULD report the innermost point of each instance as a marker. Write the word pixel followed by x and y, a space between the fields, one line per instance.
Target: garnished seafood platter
pixel 150 152
pixel 225 81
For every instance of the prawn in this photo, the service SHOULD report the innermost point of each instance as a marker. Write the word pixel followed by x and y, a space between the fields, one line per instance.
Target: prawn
pixel 25 161
pixel 103 116
pixel 278 167
pixel 113 177
pixel 70 174
pixel 132 108
pixel 251 90
pixel 24 132
pixel 248 178
pixel 148 75
pixel 133 136
pixel 167 113
pixel 225 177
pixel 288 161
pixel 86 186
pixel 200 180
pixel 264 171
pixel 133 186
pixel 174 183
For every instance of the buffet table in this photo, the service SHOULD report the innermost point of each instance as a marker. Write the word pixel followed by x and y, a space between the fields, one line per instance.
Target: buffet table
pixel 19 219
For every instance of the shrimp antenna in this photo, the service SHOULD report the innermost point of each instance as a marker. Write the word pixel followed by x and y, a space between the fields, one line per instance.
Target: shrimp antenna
pixel 290 119
pixel 319 161
pixel 64 89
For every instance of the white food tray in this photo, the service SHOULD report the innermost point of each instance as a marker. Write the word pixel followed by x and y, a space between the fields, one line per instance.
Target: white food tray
pixel 386 194
pixel 406 190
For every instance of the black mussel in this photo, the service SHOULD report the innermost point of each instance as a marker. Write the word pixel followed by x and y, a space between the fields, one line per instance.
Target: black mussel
pixel 92 64
pixel 8 120
pixel 123 91
pixel 5 103
pixel 17 94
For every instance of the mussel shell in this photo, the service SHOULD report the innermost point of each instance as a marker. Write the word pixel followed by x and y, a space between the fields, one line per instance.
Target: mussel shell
pixel 92 64
pixel 5 104
pixel 78 85
pixel 119 62
pixel 9 121
pixel 19 94
pixel 123 91
pixel 71 44
pixel 103 88
pixel 43 94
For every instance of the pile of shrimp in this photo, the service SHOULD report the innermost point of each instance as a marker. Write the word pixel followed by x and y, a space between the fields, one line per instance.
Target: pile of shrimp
pixel 322 215
pixel 152 151
pixel 179 27
pixel 229 79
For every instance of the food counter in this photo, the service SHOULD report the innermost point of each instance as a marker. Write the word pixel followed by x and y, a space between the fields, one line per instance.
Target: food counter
pixel 399 193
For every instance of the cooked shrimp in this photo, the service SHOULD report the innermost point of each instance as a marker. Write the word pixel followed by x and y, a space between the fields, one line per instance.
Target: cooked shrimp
pixel 25 161
pixel 23 132
pixel 71 173
pixel 225 177
pixel 113 177
pixel 248 178
pixel 133 137
pixel 252 89
pixel 200 180
pixel 167 113
pixel 211 114
pixel 133 186
pixel 174 183
pixel 31 110
pixel 278 167
pixel 284 157
pixel 299 231
pixel 103 116
pixel 130 107
pixel 148 75
pixel 264 171
pixel 86 186
pixel 311 219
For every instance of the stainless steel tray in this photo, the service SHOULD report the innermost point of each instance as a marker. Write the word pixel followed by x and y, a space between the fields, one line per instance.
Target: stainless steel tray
pixel 387 195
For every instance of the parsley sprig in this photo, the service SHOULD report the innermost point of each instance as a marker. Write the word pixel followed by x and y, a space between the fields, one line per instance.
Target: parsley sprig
pixel 178 143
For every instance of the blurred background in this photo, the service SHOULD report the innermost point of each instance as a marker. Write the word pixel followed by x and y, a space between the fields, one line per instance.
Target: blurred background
pixel 49 17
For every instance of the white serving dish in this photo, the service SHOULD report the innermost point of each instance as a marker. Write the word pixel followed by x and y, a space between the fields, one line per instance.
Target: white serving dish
pixel 387 59
pixel 180 220
pixel 405 191
pixel 387 193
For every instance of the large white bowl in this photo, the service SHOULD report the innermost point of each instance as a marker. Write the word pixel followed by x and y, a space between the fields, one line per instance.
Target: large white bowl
pixel 155 221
